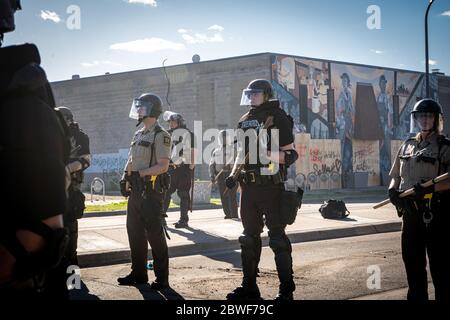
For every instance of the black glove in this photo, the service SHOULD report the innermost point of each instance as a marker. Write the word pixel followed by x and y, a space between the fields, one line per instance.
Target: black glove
pixel 422 191
pixel 230 182
pixel 123 188
pixel 394 196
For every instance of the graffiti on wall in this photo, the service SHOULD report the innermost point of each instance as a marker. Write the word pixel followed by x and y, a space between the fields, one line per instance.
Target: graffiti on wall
pixel 108 162
pixel 366 159
pixel 319 163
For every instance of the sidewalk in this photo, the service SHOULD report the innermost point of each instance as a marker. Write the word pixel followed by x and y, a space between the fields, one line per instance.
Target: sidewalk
pixel 103 239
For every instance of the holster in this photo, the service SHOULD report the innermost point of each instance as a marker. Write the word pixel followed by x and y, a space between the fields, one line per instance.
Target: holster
pixel 152 210
pixel 162 183
pixel 75 205
pixel 136 182
pixel 290 203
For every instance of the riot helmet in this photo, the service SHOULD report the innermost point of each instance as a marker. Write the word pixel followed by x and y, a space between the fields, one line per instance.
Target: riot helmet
pixel 66 113
pixel 147 105
pixel 426 108
pixel 255 87
pixel 173 116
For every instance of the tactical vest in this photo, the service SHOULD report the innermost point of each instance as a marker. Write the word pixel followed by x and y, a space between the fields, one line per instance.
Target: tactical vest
pixel 420 162
pixel 255 119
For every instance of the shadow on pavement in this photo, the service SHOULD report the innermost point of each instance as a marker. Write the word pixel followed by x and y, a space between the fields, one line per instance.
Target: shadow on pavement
pixel 199 236
pixel 82 294
pixel 166 294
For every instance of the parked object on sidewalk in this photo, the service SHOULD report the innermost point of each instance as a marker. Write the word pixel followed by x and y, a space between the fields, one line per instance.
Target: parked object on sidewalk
pixel 334 209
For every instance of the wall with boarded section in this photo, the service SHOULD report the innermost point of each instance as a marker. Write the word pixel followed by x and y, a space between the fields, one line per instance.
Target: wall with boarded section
pixel 366 159
pixel 319 164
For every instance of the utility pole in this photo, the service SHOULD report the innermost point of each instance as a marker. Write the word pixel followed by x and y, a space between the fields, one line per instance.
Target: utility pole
pixel 427 58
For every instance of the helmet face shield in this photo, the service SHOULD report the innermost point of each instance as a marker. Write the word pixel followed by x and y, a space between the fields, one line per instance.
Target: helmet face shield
pixel 168 115
pixel 140 109
pixel 425 121
pixel 246 99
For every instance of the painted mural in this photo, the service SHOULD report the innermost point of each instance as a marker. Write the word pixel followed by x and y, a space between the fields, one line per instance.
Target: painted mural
pixel 294 78
pixel 363 108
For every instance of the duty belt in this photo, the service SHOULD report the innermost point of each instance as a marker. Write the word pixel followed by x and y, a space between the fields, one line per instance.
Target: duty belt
pixel 175 166
pixel 254 177
pixel 140 184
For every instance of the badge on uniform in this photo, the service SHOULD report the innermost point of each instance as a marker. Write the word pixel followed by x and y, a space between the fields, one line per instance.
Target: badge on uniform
pixel 167 141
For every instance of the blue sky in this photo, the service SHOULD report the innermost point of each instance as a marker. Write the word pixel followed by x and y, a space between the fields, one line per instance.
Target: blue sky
pixel 122 35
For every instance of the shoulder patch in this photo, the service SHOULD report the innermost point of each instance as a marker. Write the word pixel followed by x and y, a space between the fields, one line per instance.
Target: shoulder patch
pixel 166 141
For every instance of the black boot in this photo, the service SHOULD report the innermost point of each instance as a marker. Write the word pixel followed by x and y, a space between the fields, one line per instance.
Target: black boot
pixel 131 280
pixel 245 293
pixel 159 285
pixel 181 224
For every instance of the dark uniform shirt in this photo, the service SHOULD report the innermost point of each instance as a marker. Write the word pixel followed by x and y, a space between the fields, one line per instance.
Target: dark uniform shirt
pixel 32 143
pixel 80 147
pixel 256 118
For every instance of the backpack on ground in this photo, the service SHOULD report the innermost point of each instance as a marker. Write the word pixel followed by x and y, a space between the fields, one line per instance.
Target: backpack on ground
pixel 334 209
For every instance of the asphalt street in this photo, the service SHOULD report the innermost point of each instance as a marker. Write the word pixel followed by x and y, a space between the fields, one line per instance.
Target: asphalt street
pixel 364 267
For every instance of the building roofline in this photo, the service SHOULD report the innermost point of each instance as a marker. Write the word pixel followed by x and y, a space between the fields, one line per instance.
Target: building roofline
pixel 239 57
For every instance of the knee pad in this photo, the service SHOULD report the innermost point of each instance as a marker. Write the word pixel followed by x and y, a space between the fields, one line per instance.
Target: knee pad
pixel 279 243
pixel 249 241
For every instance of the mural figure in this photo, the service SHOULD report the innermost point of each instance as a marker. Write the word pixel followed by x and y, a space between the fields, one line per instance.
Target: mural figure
pixel 385 112
pixel 344 124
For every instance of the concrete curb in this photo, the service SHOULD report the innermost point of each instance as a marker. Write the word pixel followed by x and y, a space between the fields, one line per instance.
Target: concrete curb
pixel 97 259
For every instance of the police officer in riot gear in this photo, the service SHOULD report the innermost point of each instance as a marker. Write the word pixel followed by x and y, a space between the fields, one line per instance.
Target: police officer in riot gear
pixel 181 166
pixel 33 154
pixel 425 215
pixel 219 169
pixel 261 190
pixel 146 173
pixel 80 160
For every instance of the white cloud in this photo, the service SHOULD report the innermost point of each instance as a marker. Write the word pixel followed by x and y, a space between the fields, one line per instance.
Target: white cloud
pixel 446 13
pixel 50 15
pixel 147 45
pixel 145 2
pixel 376 51
pixel 202 38
pixel 216 27
pixel 431 62
pixel 102 62
pixel 213 35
